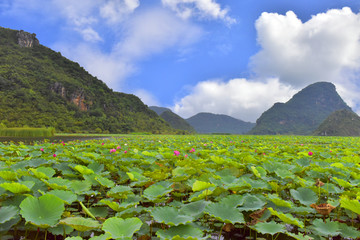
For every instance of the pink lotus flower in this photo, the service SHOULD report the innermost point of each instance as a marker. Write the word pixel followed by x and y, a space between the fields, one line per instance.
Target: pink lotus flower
pixel 192 150
pixel 54 155
pixel 310 153
pixel 118 147
pixel 112 150
pixel 125 151
pixel 102 144
pixel 41 149
pixel 186 156
pixel 176 153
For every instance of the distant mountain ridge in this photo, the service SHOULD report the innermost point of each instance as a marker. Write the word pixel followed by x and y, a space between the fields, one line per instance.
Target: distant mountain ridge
pixel 340 123
pixel 39 87
pixel 173 119
pixel 218 123
pixel 303 113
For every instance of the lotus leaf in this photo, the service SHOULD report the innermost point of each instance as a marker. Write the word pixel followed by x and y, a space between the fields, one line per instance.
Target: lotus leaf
pixel 81 224
pixel 251 203
pixel 305 196
pixel 156 191
pixel 16 187
pixel 194 209
pixel 86 210
pixel 74 238
pixel 342 182
pixel 105 236
pixel 67 196
pixel 105 181
pixel 225 213
pixel 348 231
pixel 286 218
pixel 7 213
pixel 233 200
pixel 83 170
pixel 269 227
pixel 325 229
pixel 120 192
pixel 121 228
pixel 200 185
pixel 182 232
pixel 9 175
pixel 44 211
pixel 352 205
pixel 80 186
pixel 170 216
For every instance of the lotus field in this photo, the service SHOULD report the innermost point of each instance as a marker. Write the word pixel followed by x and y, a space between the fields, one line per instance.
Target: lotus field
pixel 182 187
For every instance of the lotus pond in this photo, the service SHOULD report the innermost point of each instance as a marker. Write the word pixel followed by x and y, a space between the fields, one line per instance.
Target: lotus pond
pixel 182 187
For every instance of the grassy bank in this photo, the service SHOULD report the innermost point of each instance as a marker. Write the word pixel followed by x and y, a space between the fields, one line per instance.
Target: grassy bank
pixel 27 132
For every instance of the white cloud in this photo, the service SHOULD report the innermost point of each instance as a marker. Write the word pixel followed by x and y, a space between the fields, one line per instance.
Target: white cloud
pixel 203 8
pixel 154 31
pixel 241 98
pixel 116 10
pixel 146 97
pixel 317 50
pixel 325 48
pixel 90 35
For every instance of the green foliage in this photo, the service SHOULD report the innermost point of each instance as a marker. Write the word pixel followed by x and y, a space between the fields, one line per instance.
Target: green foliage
pixel 303 113
pixel 27 132
pixel 218 123
pixel 340 123
pixel 41 88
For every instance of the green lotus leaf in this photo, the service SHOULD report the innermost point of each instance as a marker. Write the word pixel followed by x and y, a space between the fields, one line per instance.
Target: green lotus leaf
pixel 7 213
pixel 325 229
pixel 43 172
pixel 80 186
pixel 6 226
pixel 60 229
pixel 83 170
pixel 119 207
pixel 67 196
pixel 104 181
pixel 269 227
pixel 57 183
pixel 305 196
pixel 44 211
pixel 342 182
pixel 74 238
pixel 233 200
pixel 200 185
pixel 252 203
pixel 200 195
pixel 182 232
pixel 286 218
pixel 16 187
pixel 194 209
pixel 120 192
pixel 121 228
pixel 352 205
pixel 348 231
pixel 81 224
pixel 224 213
pixel 298 236
pixel 9 175
pixel 156 191
pixel 170 216
pixel 258 171
pixel 104 236
pixel 99 211
pixel 278 201
pixel 284 173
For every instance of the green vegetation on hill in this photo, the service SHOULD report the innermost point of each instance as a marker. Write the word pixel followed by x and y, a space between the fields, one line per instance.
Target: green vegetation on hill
pixel 218 123
pixel 40 88
pixel 173 119
pixel 303 113
pixel 340 123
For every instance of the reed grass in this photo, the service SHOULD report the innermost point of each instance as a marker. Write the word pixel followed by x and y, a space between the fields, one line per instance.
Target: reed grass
pixel 27 132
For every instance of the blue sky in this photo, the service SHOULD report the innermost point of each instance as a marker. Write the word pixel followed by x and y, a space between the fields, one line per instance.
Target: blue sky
pixel 235 57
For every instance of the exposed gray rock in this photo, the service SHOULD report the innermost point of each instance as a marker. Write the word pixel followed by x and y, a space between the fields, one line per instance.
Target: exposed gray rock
pixel 26 39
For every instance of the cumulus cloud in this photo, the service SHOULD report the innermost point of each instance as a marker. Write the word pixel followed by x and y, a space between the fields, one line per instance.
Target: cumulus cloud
pixel 325 48
pixel 240 98
pixel 116 10
pixel 203 8
pixel 146 97
pixel 154 31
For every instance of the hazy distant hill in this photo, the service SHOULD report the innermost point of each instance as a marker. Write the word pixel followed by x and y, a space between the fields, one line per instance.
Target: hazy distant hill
pixel 39 87
pixel 303 113
pixel 173 119
pixel 218 123
pixel 340 123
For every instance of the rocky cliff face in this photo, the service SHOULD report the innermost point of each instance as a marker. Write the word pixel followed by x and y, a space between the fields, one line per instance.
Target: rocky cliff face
pixel 26 39
pixel 78 97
